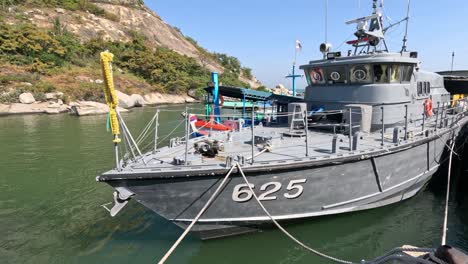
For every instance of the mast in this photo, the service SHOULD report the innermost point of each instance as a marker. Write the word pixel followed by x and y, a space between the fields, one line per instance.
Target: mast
pixel 326 21
pixel 374 7
pixel 405 38
pixel 453 57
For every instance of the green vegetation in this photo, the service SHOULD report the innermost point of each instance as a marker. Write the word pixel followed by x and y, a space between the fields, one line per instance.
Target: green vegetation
pixel 73 5
pixel 263 89
pixel 41 61
pixel 48 53
pixel 247 73
pixel 232 66
pixel 25 82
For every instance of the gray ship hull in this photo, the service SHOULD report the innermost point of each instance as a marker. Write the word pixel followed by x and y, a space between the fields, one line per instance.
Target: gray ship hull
pixel 294 193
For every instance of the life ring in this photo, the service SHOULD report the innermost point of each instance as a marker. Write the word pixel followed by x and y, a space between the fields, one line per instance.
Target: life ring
pixel 428 107
pixel 221 100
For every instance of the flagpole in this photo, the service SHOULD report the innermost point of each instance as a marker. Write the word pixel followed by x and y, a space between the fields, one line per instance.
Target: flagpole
pixel 294 80
pixel 293 76
pixel 293 71
pixel 295 54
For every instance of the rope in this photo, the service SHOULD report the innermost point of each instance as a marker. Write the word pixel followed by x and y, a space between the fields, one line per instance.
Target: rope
pixel 316 252
pixel 168 135
pixel 171 250
pixel 294 239
pixel 144 132
pixel 444 230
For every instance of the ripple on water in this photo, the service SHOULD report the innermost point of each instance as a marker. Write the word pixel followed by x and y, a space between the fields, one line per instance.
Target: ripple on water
pixel 50 208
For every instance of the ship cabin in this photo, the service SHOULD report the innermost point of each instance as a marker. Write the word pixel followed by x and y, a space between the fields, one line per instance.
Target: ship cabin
pixel 371 84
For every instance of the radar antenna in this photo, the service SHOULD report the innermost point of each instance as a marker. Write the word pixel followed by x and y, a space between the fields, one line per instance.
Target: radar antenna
pixel 370 32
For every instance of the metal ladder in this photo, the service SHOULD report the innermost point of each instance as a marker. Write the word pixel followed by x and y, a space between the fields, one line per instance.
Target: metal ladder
pixel 297 116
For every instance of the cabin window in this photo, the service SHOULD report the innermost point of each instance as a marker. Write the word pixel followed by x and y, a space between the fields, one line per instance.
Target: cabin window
pixel 424 88
pixel 316 76
pixel 336 75
pixel 360 74
pixel 395 73
pixel 428 88
pixel 420 88
pixel 407 72
pixel 380 73
pixel 307 77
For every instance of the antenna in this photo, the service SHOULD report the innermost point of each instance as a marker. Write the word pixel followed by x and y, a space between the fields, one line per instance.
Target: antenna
pixel 405 38
pixel 326 21
pixel 453 57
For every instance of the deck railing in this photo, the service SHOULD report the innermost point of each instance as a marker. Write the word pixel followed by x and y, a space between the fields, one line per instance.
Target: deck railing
pixel 137 149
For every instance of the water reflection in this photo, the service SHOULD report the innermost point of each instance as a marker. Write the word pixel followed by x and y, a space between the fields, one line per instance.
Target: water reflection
pixel 50 207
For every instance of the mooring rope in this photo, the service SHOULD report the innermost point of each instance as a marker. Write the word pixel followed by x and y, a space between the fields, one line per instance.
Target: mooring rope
pixel 444 229
pixel 294 239
pixel 297 241
pixel 187 230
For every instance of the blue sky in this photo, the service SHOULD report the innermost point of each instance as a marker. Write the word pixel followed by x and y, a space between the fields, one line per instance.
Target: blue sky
pixel 262 34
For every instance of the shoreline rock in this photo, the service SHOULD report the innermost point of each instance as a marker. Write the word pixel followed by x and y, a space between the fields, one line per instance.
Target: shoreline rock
pixel 26 98
pixel 55 105
pixel 85 108
pixel 158 98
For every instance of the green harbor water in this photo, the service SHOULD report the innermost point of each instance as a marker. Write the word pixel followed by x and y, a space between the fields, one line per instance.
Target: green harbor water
pixel 50 207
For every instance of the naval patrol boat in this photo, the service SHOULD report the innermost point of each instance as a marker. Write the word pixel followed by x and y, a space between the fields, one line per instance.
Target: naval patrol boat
pixel 371 131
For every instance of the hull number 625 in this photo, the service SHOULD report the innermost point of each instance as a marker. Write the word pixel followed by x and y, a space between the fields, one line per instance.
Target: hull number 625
pixel 268 191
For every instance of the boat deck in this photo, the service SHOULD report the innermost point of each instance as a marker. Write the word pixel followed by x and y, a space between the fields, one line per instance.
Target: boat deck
pixel 281 149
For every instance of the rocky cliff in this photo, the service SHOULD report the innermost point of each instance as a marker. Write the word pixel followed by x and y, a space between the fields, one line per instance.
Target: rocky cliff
pixel 126 17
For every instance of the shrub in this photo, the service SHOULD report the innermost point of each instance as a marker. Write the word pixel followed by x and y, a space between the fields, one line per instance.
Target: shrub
pixel 50 53
pixel 11 96
pixel 247 72
pixel 44 87
pixel 39 96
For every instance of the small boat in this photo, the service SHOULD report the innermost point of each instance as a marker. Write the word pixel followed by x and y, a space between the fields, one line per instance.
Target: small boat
pixel 211 125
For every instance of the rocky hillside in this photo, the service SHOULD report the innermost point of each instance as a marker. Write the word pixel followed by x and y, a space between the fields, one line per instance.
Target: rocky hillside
pixel 119 21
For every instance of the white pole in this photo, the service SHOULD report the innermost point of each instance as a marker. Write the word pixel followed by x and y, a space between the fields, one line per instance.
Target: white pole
pixel 156 131
pixel 444 230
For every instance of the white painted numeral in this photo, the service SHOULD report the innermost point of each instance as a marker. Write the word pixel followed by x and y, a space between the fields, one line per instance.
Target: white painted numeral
pixel 242 193
pixel 294 185
pixel 242 189
pixel 264 196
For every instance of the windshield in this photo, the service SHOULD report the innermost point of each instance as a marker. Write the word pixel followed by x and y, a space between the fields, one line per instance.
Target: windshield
pixel 360 74
pixel 316 76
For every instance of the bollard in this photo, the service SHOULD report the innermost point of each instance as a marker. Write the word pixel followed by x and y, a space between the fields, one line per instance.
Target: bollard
pixel 356 137
pixel 334 143
pixel 396 135
pixel 229 161
pixel 241 160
